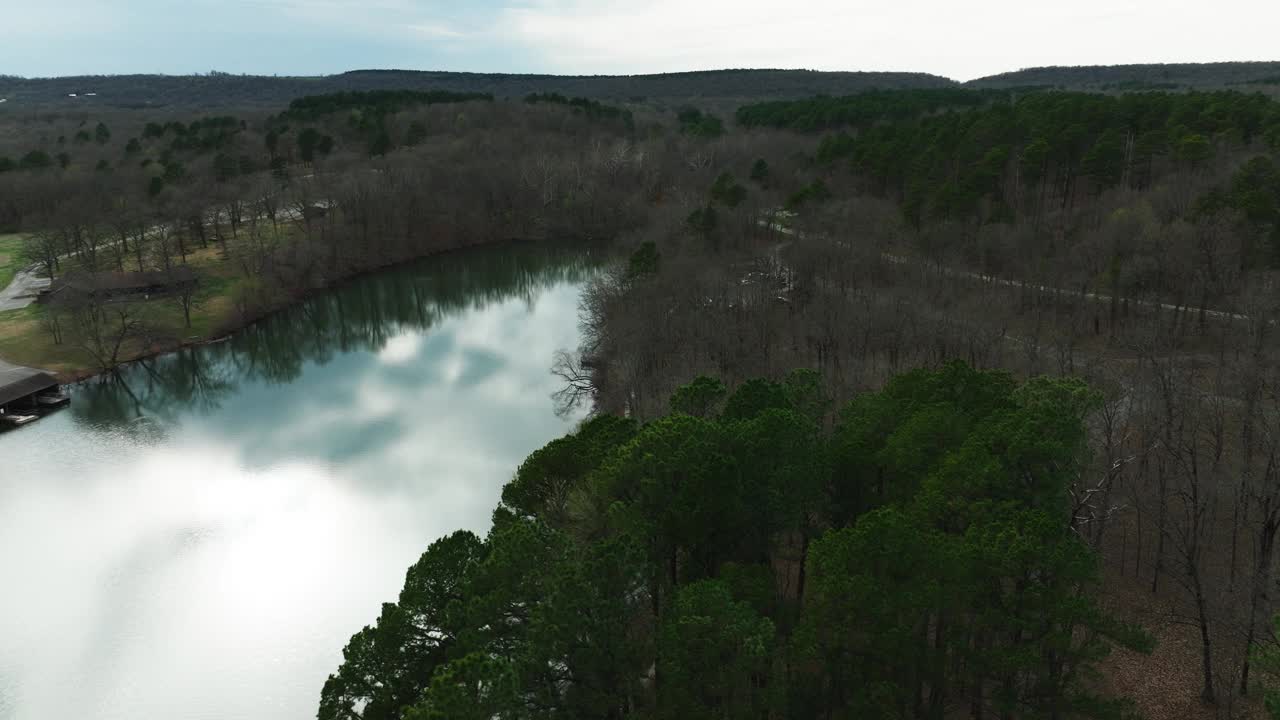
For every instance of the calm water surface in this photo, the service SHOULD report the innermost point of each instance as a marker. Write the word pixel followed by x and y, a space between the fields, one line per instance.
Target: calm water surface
pixel 201 539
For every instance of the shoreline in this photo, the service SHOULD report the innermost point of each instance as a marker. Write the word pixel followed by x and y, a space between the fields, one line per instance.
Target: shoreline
pixel 227 329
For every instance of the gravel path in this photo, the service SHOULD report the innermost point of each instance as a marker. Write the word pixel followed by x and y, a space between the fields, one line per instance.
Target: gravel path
pixel 22 291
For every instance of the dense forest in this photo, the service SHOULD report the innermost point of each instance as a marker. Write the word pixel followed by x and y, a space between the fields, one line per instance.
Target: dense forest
pixel 1019 157
pixel 859 538
pixel 1126 240
pixel 738 558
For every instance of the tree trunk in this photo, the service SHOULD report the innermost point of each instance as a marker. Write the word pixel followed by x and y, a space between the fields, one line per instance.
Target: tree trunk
pixel 1258 596
pixel 1160 530
pixel 1206 643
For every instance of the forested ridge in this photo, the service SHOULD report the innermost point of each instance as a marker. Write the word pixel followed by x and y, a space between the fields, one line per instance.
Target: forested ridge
pixel 1149 76
pixel 224 90
pixel 743 557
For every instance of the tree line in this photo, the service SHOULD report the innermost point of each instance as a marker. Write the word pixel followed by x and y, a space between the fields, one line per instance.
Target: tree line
pixel 753 554
pixel 592 108
pixel 1137 77
pixel 375 102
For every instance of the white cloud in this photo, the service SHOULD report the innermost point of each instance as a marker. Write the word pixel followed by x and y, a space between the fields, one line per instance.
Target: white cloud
pixel 437 30
pixel 960 40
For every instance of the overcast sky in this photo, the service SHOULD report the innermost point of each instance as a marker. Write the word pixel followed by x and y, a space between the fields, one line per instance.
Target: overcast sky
pixel 962 40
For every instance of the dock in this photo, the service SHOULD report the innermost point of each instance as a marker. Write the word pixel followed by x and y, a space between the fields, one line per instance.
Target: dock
pixel 25 393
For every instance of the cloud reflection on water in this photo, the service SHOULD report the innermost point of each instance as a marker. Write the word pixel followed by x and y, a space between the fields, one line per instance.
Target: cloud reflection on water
pixel 200 541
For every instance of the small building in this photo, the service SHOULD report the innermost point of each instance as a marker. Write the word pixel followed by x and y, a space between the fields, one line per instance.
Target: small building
pixel 121 285
pixel 22 387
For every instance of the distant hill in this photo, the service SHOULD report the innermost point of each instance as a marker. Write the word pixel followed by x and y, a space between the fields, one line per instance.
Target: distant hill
pixel 224 90
pixel 1139 77
pixel 221 90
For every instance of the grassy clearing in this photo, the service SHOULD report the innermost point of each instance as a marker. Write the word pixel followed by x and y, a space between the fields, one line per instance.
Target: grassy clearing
pixel 25 340
pixel 10 258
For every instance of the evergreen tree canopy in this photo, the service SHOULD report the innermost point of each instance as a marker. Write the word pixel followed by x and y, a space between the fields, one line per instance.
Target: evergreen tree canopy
pixel 747 562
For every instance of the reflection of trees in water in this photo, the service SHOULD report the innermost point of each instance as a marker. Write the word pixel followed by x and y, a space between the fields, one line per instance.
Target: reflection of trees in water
pixel 157 390
pixel 365 314
pixel 359 316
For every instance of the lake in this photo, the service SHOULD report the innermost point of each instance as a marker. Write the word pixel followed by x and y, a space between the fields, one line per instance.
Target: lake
pixel 200 538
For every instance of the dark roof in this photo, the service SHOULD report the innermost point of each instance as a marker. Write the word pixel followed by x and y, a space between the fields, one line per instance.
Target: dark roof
pixel 125 281
pixel 19 382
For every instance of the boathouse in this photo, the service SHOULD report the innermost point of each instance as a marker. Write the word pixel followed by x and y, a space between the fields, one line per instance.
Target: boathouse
pixel 21 387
